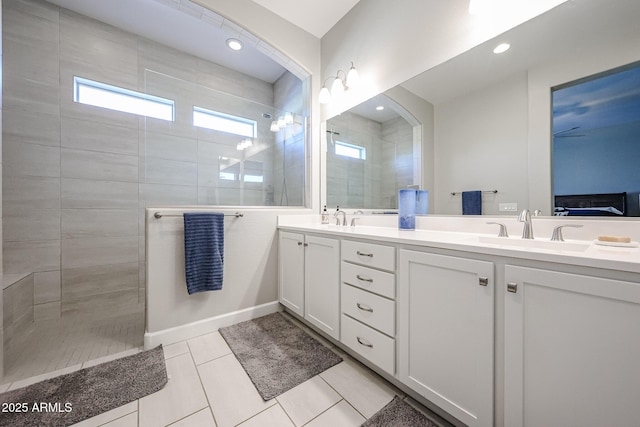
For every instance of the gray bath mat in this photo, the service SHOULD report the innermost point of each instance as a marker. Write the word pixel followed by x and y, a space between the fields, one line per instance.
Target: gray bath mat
pixel 276 354
pixel 73 397
pixel 399 413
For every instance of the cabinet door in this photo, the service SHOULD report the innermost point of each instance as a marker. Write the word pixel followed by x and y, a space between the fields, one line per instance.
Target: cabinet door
pixel 445 333
pixel 291 271
pixel 322 284
pixel 572 350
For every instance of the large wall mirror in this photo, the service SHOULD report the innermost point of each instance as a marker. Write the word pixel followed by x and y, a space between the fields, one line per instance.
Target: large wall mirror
pixel 492 126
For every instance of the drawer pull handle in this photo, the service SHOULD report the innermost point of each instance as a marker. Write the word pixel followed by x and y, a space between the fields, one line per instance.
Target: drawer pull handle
pixel 512 287
pixel 364 279
pixel 364 307
pixel 483 281
pixel 364 254
pixel 364 343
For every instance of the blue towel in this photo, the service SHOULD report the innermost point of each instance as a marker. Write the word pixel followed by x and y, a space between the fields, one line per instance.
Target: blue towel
pixel 203 251
pixel 472 203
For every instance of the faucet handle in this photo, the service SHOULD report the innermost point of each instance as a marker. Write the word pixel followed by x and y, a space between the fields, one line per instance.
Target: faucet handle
pixel 503 229
pixel 556 236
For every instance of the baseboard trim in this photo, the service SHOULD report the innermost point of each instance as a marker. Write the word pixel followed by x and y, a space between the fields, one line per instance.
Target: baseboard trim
pixel 205 326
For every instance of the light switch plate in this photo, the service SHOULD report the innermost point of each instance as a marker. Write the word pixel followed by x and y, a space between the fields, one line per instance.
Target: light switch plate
pixel 508 207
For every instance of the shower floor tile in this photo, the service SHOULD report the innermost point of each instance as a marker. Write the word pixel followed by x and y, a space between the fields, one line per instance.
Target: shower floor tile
pixel 57 344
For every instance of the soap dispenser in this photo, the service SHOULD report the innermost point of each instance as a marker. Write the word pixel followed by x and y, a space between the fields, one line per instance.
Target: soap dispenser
pixel 325 216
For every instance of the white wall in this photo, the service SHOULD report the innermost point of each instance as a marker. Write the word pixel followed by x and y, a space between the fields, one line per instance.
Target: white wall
pixel 481 144
pixel 250 272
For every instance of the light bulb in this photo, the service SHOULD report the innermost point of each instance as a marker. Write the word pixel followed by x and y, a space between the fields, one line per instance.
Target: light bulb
pixel 234 44
pixel 281 123
pixel 274 126
pixel 353 78
pixel 501 48
pixel 325 96
pixel 337 88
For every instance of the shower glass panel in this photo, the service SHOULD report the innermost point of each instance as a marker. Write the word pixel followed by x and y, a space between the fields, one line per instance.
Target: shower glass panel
pixel 232 157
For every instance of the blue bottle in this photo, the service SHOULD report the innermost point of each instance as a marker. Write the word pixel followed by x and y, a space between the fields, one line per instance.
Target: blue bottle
pixel 407 209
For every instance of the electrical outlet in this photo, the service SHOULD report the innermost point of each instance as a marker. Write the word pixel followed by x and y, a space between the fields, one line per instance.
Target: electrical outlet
pixel 508 207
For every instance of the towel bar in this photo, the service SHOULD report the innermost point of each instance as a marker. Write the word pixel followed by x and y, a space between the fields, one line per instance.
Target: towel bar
pixel 158 215
pixel 455 193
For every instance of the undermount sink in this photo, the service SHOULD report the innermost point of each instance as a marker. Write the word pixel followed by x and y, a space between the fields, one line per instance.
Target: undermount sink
pixel 517 242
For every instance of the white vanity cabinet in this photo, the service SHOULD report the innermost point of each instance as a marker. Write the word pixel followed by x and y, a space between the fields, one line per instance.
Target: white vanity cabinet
pixel 446 332
pixel 309 279
pixel 368 302
pixel 291 271
pixel 572 349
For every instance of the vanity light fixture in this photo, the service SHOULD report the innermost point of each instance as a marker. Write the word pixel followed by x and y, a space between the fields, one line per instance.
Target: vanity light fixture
pixel 234 44
pixel 339 85
pixel 501 48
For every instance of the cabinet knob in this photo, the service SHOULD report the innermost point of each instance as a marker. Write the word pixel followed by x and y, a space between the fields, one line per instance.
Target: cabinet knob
pixel 483 281
pixel 306 244
pixel 299 243
pixel 512 287
pixel 364 307
pixel 364 279
pixel 364 343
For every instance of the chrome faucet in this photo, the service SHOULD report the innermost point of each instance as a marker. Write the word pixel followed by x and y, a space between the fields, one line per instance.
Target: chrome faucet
pixel 344 217
pixel 527 231
pixel 557 232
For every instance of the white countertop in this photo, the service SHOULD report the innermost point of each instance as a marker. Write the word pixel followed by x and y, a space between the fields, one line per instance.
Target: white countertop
pixel 572 252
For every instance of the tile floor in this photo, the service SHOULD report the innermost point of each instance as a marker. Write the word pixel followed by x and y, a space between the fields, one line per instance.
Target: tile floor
pixel 208 387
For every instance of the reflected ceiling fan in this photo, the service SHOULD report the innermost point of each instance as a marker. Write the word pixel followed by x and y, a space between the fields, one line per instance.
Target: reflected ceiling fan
pixel 564 133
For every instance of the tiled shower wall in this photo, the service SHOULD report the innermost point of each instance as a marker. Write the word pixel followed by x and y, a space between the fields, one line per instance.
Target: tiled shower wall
pixel 370 183
pixel 77 178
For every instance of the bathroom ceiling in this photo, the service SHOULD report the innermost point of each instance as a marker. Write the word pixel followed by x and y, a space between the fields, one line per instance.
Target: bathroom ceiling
pixel 179 24
pixel 314 16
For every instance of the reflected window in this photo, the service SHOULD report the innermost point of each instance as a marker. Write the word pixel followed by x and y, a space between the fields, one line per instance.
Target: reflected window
pixel 350 150
pixel 100 94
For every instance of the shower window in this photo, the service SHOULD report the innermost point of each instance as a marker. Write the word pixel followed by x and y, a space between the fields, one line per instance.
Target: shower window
pixel 103 95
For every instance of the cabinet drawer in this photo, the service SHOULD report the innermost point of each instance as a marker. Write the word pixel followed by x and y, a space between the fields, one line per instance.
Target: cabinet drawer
pixel 369 343
pixel 376 281
pixel 370 254
pixel 373 310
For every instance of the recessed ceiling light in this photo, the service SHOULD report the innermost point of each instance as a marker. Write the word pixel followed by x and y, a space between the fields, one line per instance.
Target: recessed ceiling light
pixel 380 107
pixel 501 48
pixel 234 44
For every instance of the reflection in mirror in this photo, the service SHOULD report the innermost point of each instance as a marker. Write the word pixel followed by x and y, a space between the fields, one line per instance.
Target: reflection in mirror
pixel 491 113
pixel 370 155
pixel 596 149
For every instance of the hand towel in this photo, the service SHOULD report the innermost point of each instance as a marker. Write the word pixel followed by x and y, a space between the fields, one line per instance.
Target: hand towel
pixel 203 251
pixel 472 202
